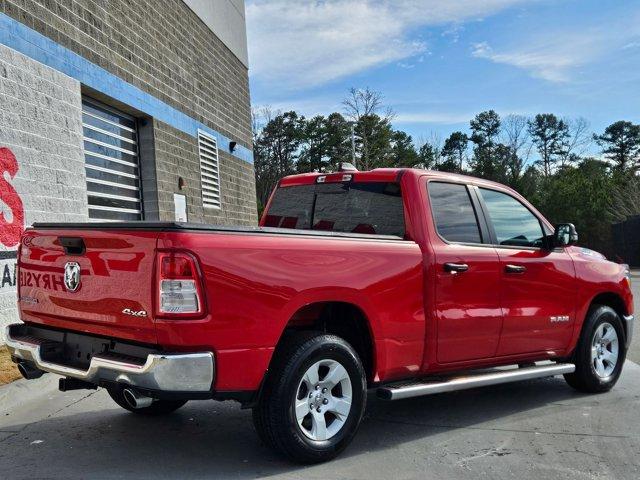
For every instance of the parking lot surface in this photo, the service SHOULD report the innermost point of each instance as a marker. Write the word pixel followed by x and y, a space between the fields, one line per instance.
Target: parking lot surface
pixel 536 429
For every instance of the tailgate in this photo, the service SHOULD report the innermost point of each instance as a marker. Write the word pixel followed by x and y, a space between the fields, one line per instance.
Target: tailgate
pixel 113 295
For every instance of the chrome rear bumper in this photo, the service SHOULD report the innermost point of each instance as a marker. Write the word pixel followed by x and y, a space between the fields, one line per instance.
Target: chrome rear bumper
pixel 190 372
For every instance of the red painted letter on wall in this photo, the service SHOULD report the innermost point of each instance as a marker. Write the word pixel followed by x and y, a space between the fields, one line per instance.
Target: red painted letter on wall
pixel 10 231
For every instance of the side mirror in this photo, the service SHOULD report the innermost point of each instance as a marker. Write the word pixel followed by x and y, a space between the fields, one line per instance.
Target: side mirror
pixel 565 235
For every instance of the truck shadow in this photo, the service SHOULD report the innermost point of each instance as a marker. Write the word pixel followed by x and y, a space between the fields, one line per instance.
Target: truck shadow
pixel 95 439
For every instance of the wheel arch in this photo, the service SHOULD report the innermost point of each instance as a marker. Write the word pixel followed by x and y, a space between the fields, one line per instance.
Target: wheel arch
pixel 344 319
pixel 608 299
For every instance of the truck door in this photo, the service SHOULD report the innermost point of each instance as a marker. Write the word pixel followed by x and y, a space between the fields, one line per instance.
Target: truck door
pixel 538 287
pixel 467 276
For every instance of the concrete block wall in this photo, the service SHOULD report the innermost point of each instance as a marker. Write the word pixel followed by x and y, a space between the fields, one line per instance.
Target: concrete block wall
pixel 177 156
pixel 41 159
pixel 160 46
pixel 164 49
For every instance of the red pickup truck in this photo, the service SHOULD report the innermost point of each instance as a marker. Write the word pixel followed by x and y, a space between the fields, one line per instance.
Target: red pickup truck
pixel 403 281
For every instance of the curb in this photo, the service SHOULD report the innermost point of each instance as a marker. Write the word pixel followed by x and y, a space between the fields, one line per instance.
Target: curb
pixel 22 390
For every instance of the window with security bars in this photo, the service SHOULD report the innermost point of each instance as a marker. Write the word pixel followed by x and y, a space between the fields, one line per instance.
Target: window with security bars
pixel 111 163
pixel 209 170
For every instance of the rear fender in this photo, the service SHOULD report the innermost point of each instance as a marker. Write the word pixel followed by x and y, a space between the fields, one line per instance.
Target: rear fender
pixel 343 295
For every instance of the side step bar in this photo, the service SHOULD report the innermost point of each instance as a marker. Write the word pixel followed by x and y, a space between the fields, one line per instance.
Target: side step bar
pixel 472 380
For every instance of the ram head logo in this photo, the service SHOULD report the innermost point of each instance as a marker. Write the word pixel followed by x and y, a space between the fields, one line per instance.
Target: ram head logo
pixel 72 276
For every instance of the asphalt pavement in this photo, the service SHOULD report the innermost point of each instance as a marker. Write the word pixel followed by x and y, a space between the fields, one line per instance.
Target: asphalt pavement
pixel 535 429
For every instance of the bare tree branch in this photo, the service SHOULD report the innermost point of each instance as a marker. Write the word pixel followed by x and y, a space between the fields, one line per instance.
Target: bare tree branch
pixel 363 107
pixel 515 135
pixel 625 200
pixel 364 102
pixel 580 138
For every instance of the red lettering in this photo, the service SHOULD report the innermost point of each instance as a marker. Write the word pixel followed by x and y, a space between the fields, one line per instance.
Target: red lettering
pixel 57 281
pixel 98 264
pixel 46 282
pixel 10 231
pixel 36 277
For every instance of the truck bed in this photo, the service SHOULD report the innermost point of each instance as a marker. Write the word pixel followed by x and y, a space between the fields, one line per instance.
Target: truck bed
pixel 254 281
pixel 202 227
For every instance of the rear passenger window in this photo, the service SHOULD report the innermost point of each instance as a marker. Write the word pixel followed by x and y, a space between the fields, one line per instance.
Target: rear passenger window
pixel 291 207
pixel 372 208
pixel 513 223
pixel 453 212
pixel 369 208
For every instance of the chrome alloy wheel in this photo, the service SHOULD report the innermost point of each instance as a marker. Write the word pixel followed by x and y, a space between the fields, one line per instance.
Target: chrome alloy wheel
pixel 323 400
pixel 604 350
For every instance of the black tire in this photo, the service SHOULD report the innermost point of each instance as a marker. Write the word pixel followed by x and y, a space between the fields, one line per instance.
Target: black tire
pixel 256 415
pixel 274 417
pixel 158 407
pixel 585 378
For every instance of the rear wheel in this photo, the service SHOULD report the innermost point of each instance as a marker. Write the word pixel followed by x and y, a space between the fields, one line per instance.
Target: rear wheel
pixel 311 408
pixel 600 353
pixel 156 407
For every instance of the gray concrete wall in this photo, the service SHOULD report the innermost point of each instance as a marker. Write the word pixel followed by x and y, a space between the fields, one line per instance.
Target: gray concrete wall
pixel 177 157
pixel 41 158
pixel 159 46
pixel 226 19
pixel 165 49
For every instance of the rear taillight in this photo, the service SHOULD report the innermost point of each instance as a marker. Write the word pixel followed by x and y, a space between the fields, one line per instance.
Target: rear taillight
pixel 179 289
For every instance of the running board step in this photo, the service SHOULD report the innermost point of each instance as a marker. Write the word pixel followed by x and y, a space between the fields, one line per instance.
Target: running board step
pixel 472 380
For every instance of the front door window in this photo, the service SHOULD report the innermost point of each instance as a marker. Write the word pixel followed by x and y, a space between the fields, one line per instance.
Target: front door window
pixel 513 223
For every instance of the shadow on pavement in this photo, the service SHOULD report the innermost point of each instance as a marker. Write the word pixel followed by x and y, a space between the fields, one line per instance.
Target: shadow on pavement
pixel 94 439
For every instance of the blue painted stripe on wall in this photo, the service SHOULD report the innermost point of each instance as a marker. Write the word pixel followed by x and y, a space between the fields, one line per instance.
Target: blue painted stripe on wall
pixel 23 39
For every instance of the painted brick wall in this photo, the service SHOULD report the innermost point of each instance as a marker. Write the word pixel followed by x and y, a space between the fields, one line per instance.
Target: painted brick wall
pixel 41 161
pixel 164 49
pixel 176 156
pixel 160 46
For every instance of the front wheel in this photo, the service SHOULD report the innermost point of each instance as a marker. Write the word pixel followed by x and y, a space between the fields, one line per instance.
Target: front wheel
pixel 314 398
pixel 600 353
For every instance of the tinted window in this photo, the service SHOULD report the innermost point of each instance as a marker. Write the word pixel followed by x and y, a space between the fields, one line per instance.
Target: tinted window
pixel 453 213
pixel 368 208
pixel 291 208
pixel 513 222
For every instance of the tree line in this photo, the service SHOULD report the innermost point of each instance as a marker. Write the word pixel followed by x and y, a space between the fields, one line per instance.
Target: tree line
pixel 544 157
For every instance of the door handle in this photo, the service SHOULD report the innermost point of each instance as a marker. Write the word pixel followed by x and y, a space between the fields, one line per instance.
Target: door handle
pixel 456 267
pixel 515 269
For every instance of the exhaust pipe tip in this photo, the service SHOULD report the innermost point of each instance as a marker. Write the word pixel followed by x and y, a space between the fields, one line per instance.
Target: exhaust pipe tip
pixel 29 372
pixel 135 399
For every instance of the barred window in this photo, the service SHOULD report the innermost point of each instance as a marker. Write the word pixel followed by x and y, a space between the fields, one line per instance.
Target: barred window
pixel 111 163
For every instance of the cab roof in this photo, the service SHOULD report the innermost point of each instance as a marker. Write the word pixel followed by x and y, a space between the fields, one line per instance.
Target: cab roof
pixel 384 175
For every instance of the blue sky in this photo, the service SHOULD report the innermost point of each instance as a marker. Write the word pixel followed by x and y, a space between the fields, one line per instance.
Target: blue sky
pixel 440 62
